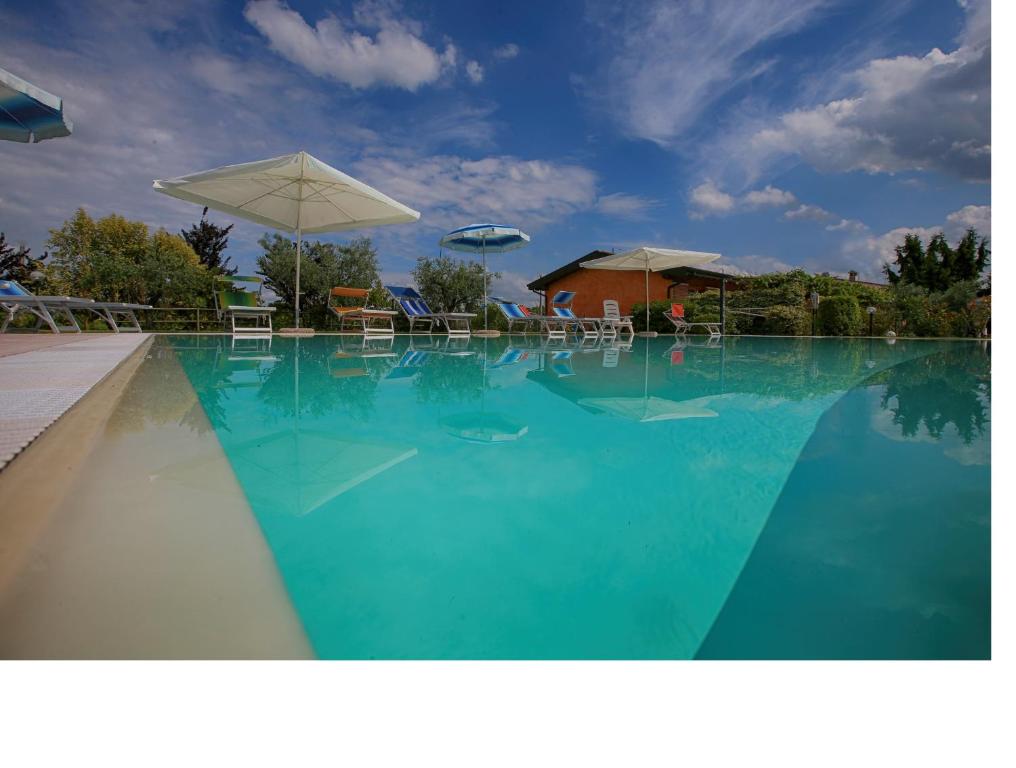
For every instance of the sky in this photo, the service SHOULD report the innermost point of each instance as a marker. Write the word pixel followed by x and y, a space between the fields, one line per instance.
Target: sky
pixel 779 133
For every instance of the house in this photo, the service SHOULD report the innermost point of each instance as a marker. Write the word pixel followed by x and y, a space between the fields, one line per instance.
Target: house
pixel 592 286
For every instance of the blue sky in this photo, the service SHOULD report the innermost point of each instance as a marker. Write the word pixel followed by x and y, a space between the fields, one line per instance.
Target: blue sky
pixel 779 133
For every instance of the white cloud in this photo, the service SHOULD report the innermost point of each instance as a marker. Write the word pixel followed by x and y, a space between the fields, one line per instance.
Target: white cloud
pixel 867 253
pixel 394 56
pixel 847 225
pixel 625 206
pixel 907 113
pixel 451 190
pixel 806 212
pixel 474 71
pixel 506 52
pixel 667 62
pixel 976 216
pixel 708 199
pixel 769 196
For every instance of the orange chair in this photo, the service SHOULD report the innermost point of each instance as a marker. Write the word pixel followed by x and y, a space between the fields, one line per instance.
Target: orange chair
pixel 372 322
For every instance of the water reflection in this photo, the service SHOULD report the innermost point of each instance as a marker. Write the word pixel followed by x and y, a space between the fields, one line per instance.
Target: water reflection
pixel 950 388
pixel 404 484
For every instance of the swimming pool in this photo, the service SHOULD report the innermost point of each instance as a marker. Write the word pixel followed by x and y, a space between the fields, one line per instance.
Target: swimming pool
pixel 518 498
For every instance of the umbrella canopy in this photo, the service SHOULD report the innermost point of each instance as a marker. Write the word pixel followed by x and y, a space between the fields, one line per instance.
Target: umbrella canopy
pixel 484 239
pixel 28 113
pixel 648 259
pixel 294 193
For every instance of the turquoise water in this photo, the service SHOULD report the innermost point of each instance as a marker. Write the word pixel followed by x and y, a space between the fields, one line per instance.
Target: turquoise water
pixel 518 498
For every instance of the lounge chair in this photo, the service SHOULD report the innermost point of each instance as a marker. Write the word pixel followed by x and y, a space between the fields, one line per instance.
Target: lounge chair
pixel 416 310
pixel 614 320
pixel 553 325
pixel 14 297
pixel 560 305
pixel 682 326
pixel 372 322
pixel 232 304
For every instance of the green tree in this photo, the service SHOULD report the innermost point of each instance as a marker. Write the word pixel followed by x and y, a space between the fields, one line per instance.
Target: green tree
pixel 938 266
pixel 208 241
pixel 115 259
pixel 17 264
pixel 451 285
pixel 323 266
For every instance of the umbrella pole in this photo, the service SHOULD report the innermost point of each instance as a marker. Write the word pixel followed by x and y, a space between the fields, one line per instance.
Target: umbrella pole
pixel 483 251
pixel 296 304
pixel 647 299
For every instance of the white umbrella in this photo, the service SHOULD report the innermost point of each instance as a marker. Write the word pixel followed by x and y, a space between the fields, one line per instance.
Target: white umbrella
pixel 647 259
pixel 294 193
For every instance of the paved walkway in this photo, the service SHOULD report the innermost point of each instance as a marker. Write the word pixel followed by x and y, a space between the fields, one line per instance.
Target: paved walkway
pixel 41 377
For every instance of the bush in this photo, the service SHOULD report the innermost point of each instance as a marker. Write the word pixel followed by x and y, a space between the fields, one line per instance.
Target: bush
pixel 840 316
pixel 783 320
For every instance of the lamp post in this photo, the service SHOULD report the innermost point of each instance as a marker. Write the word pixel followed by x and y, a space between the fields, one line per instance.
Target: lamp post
pixel 871 321
pixel 814 310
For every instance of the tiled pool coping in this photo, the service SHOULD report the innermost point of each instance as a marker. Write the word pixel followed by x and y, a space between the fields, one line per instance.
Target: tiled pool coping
pixel 41 377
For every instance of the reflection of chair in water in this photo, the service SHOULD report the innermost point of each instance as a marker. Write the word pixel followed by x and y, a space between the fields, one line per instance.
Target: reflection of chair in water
pixel 561 363
pixel 252 347
pixel 351 357
pixel 292 471
pixel 510 356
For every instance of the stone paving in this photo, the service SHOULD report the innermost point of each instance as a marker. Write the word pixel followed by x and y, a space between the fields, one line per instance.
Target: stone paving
pixel 42 376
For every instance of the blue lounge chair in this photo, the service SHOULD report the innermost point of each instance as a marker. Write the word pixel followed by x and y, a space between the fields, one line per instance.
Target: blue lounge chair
pixel 553 325
pixel 416 310
pixel 584 326
pixel 15 298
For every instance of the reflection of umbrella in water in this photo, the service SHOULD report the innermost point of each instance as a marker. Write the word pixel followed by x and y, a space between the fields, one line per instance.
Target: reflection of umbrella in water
pixel 296 474
pixel 650 408
pixel 481 427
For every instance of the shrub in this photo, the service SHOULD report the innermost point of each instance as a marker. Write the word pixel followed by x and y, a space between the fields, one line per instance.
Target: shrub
pixel 783 320
pixel 840 315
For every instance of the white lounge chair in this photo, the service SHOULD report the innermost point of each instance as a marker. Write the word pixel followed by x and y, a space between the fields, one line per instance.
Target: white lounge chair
pixel 48 310
pixel 613 319
pixel 682 326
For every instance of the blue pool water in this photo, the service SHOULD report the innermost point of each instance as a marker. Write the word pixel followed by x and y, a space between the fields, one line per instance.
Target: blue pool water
pixel 518 498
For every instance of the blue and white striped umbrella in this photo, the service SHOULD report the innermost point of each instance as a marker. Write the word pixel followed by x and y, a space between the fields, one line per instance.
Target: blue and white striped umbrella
pixel 483 239
pixel 28 113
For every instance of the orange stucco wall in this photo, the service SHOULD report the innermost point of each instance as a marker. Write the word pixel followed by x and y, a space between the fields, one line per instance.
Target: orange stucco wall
pixel 592 286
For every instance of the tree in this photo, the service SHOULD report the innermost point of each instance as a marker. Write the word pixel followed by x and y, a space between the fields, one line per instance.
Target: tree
pixel 938 266
pixel 451 285
pixel 840 315
pixel 115 259
pixel 323 266
pixel 208 241
pixel 17 264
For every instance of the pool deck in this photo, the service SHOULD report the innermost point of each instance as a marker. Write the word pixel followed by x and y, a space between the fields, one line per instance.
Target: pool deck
pixel 42 376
